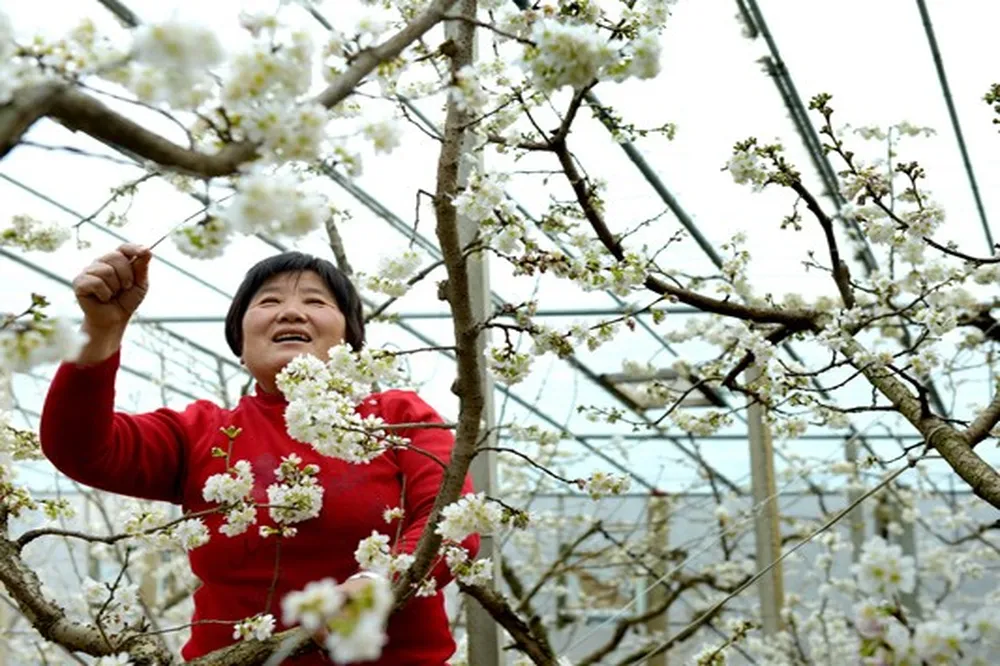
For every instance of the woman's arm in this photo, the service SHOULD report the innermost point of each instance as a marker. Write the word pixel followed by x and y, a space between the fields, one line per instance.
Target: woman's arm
pixel 421 474
pixel 138 455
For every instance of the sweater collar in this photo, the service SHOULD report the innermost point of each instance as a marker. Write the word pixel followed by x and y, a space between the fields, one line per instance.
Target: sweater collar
pixel 265 398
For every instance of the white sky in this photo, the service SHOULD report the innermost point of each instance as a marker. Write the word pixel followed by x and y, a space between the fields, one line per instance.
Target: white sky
pixel 872 56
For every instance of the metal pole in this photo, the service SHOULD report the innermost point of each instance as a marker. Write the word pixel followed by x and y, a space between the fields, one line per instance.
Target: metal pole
pixel 483 632
pixel 658 526
pixel 857 516
pixel 6 402
pixel 767 536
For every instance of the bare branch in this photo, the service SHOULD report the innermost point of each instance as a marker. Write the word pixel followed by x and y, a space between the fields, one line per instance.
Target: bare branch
pixel 27 107
pixel 841 273
pixel 500 611
pixel 980 428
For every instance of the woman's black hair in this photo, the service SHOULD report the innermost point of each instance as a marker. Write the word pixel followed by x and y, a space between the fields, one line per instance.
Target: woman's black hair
pixel 348 299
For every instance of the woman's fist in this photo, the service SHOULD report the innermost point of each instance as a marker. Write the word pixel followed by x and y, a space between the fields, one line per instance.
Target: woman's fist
pixel 110 289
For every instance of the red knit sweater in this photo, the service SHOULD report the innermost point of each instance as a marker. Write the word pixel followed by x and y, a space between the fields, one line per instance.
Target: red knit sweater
pixel 166 455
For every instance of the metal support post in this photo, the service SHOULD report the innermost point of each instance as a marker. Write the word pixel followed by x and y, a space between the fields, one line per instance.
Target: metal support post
pixel 857 516
pixel 658 528
pixel 767 535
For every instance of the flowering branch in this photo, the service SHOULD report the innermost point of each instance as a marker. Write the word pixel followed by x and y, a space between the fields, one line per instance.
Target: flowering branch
pixel 800 319
pixel 80 112
pixel 51 621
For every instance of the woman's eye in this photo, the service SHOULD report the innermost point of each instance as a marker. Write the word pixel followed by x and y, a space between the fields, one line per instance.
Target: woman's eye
pixel 268 300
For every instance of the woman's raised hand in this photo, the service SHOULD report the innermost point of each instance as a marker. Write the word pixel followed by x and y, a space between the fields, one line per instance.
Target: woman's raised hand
pixel 109 291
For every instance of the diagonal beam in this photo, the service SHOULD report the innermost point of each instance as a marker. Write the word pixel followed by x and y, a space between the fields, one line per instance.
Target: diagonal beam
pixel 925 17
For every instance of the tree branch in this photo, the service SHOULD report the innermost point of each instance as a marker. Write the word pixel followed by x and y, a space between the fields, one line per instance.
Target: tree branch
pixel 980 428
pixel 27 106
pixel 954 446
pixel 51 622
pixel 83 113
pixel 498 609
pixel 800 319
pixel 469 384
pixel 841 273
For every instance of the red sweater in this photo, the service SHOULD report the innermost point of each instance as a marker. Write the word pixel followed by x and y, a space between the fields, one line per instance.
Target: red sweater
pixel 166 455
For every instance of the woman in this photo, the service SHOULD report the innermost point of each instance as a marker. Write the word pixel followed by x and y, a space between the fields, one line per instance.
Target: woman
pixel 287 305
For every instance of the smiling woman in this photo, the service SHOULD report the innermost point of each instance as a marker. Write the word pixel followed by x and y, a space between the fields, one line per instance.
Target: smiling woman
pixel 288 305
pixel 230 469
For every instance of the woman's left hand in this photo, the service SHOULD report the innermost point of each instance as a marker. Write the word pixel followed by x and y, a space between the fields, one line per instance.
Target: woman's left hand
pixel 353 586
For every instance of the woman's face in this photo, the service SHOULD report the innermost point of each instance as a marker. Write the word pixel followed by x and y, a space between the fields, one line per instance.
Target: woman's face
pixel 291 314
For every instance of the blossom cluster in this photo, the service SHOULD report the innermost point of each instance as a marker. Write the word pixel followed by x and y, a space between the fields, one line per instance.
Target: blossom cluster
pixel 28 233
pixel 393 274
pixel 374 554
pixel 600 484
pixel 577 54
pixel 274 204
pixel 33 338
pixel 354 626
pixel 323 397
pixel 297 495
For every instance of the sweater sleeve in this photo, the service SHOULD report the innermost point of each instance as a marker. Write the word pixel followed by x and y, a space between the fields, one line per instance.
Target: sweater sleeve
pixel 423 476
pixel 140 455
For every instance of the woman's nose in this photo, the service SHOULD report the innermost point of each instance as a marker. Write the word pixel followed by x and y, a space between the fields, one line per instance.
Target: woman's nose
pixel 291 313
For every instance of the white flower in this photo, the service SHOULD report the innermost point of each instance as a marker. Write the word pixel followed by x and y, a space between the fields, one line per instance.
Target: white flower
pixel 295 503
pixel 205 240
pixel 29 233
pixel 470 572
pixel 191 533
pixel 275 204
pixel 645 52
pixel 313 606
pixel 394 513
pixel 870 619
pixel 483 199
pixel 264 72
pixel 427 587
pixel 239 520
pixel 47 340
pixel 94 592
pixel 568 54
pixel 177 44
pixel 602 483
pixel 286 131
pixel 393 273
pixel 507 365
pixel 467 91
pixel 363 641
pixel 883 569
pixel 372 553
pixel 229 487
pixel 471 514
pixel 259 627
pixel 745 168
pixel 938 641
pixel 384 135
